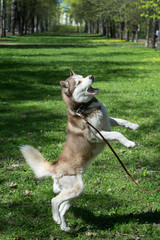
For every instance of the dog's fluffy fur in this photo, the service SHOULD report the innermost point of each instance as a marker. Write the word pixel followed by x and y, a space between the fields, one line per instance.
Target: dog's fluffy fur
pixel 82 145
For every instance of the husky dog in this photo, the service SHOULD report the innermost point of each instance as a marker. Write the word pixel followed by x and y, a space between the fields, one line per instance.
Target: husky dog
pixel 82 145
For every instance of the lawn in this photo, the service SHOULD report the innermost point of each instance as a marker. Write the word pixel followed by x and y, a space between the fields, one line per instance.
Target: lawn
pixel 32 112
pixel 65 39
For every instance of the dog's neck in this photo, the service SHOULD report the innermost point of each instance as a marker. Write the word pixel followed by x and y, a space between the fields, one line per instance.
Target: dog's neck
pixel 74 106
pixel 83 107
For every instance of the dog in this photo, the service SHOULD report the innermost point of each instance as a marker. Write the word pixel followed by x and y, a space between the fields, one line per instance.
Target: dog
pixel 82 145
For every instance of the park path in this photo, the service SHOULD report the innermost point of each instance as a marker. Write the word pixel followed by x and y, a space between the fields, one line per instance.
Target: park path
pixel 68 44
pixel 75 44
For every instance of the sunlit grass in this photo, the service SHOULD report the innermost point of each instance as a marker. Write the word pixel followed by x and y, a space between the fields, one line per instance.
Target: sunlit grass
pixel 65 39
pixel 32 112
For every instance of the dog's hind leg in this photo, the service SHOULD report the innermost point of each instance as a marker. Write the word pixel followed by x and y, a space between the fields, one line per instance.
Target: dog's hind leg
pixel 72 187
pixel 63 209
pixel 124 123
pixel 56 187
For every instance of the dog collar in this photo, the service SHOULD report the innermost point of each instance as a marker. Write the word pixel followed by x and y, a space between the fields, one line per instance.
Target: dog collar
pixel 83 107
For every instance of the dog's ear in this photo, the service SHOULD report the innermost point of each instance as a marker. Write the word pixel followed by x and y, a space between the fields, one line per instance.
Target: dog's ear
pixel 65 86
pixel 71 72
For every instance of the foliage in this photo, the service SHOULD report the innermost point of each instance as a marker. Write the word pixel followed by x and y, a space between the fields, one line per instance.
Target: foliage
pixel 151 8
pixel 24 15
pixel 32 112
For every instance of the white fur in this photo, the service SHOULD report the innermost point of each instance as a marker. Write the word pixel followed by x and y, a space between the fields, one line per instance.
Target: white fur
pixel 71 187
pixel 35 161
pixel 80 94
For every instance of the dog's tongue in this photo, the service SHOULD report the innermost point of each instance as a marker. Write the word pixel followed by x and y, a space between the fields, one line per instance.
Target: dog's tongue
pixel 92 90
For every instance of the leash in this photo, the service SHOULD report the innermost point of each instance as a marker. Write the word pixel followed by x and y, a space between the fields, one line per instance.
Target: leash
pixel 79 113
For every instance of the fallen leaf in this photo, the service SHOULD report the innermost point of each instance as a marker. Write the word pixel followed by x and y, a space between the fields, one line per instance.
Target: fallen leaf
pixel 51 237
pixel 118 234
pixel 10 222
pixel 26 192
pixel 89 234
pixel 12 185
pixel 24 116
pixel 122 151
pixel 15 165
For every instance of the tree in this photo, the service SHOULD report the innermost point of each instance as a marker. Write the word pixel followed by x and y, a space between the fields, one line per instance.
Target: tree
pixel 13 16
pixel 26 14
pixel 2 18
pixel 151 11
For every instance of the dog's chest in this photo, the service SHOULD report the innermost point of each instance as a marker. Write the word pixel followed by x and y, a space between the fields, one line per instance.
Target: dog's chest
pixel 98 117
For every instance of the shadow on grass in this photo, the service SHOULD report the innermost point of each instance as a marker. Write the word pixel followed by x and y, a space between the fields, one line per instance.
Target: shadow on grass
pixel 31 214
pixel 103 222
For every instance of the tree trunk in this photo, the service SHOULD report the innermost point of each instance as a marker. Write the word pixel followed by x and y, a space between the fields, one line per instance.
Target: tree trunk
pixel 86 27
pixel 77 27
pixel 1 30
pixel 8 22
pixel 137 33
pixel 89 27
pixel 20 30
pixel 37 24
pixel 107 28
pixel 158 41
pixel 13 16
pixel 147 34
pixel 126 31
pixel 19 17
pixel 153 40
pixel 26 27
pixel 92 28
pixel 3 18
pixel 95 27
pixel 121 30
pixel 100 26
pixel 112 29
pixel 46 25
pixel 132 36
pixel 32 25
pixel 41 25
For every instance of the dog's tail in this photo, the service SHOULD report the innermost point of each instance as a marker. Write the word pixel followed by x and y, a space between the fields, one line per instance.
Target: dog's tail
pixel 36 161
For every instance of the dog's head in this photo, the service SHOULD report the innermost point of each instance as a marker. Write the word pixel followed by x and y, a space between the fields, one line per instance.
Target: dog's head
pixel 78 88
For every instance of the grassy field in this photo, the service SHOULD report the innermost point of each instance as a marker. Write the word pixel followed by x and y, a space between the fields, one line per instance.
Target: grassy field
pixel 64 39
pixel 32 112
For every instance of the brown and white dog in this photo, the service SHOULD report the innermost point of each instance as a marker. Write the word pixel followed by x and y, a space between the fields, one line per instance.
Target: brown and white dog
pixel 82 145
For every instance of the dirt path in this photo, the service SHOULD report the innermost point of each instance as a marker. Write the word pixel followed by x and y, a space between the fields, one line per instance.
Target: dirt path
pixel 68 44
pixel 73 45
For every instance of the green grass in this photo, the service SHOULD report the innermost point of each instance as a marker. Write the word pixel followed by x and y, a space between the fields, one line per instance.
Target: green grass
pixel 32 112
pixel 65 38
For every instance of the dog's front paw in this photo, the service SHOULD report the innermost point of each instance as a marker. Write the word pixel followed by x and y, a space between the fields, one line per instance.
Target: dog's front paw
pixel 135 126
pixel 130 144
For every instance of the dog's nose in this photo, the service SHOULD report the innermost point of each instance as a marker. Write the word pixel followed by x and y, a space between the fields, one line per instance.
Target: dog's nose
pixel 91 77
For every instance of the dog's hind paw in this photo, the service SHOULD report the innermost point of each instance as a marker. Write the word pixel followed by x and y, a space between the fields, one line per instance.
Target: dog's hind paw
pixel 65 228
pixel 56 218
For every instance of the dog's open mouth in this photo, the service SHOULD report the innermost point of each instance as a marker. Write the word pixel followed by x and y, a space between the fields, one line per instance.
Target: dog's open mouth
pixel 92 90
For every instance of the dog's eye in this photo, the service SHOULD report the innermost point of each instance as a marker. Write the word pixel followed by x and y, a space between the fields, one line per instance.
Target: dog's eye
pixel 79 82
